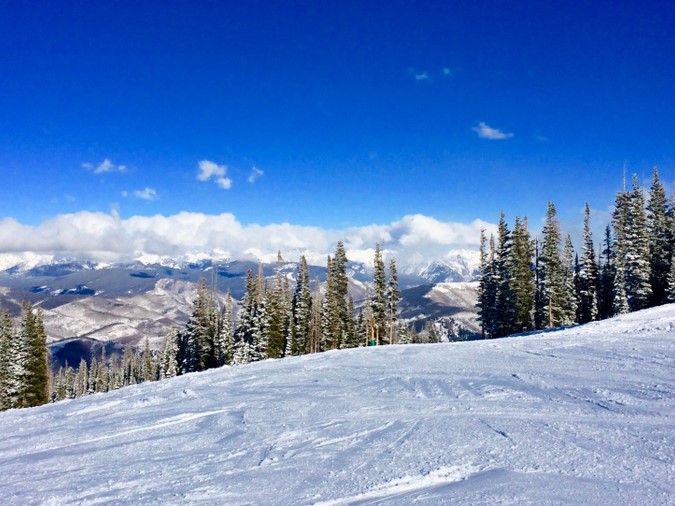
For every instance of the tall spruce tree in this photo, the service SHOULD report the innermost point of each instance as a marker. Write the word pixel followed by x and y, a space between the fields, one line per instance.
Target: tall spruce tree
pixel 488 292
pixel 503 272
pixel 6 341
pixel 393 300
pixel 276 314
pixel 631 250
pixel 200 332
pixel 522 254
pixel 336 299
pixel 301 311
pixel 607 277
pixel 551 274
pixel 569 300
pixel 379 298
pixel 587 276
pixel 660 241
pixel 244 346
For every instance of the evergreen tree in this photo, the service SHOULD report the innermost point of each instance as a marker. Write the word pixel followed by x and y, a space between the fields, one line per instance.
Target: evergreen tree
pixel 276 314
pixel 352 339
pixel 539 314
pixel 336 298
pixel 247 330
pixel 503 273
pixel 607 277
pixel 631 249
pixel 200 332
pixel 523 278
pixel 169 353
pixel 226 332
pixel 32 387
pixel 487 289
pixel 148 368
pixel 301 311
pixel 587 276
pixel 551 273
pixel 6 340
pixel 81 380
pixel 569 300
pixel 316 323
pixel 660 241
pixel 379 298
pixel 393 299
pixel 671 280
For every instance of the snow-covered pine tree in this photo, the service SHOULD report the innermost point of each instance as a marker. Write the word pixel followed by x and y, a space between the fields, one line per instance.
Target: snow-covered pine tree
pixel 169 355
pixel 336 298
pixel 316 322
pixel 352 338
pixel 200 332
pixel 660 241
pixel 82 379
pixel 606 289
pixel 487 288
pixel 147 369
pixel 243 341
pixel 301 311
pixel 569 300
pixel 6 340
pixel 379 298
pixel 226 332
pixel 393 299
pixel 671 280
pixel 276 314
pixel 503 273
pixel 551 275
pixel 631 248
pixel 522 254
pixel 587 275
pixel 32 371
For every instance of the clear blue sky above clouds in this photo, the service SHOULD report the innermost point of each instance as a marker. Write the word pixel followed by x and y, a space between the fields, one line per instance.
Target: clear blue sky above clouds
pixel 351 113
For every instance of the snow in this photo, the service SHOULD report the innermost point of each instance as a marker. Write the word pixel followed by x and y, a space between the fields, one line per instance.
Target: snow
pixel 577 416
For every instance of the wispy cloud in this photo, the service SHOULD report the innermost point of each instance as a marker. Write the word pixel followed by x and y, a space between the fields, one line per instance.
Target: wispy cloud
pixel 447 72
pixel 255 174
pixel 485 131
pixel 146 193
pixel 422 76
pixel 212 171
pixel 105 166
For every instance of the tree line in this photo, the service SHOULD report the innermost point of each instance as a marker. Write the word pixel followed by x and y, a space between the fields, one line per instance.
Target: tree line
pixel 530 284
pixel 273 320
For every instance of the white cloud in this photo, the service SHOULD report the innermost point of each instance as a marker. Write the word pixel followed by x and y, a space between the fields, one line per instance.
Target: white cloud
pixel 107 237
pixel 210 170
pixel 146 194
pixel 422 76
pixel 447 72
pixel 255 174
pixel 224 182
pixel 105 166
pixel 485 131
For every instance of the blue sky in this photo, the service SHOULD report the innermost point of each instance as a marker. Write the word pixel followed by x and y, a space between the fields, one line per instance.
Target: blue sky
pixel 346 114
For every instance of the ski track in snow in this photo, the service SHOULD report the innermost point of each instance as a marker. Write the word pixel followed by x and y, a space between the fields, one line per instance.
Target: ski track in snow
pixel 576 416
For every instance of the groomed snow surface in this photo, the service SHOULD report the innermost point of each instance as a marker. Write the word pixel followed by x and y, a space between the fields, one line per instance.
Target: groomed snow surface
pixel 577 416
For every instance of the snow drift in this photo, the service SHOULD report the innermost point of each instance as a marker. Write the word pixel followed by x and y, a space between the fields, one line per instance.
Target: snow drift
pixel 583 415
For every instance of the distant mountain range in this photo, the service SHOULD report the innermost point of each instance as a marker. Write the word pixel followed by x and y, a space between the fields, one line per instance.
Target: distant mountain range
pixel 85 301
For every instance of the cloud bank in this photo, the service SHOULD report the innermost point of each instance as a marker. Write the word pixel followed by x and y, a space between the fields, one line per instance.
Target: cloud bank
pixel 105 237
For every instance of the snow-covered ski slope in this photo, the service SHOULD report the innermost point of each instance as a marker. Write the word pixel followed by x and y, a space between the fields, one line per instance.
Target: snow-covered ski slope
pixel 579 416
